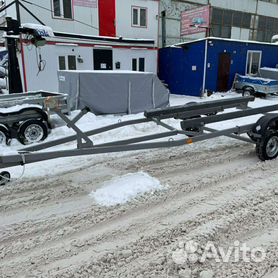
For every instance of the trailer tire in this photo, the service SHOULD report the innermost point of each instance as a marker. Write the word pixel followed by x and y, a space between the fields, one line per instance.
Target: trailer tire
pixel 4 135
pixel 267 147
pixel 5 177
pixel 32 131
pixel 247 92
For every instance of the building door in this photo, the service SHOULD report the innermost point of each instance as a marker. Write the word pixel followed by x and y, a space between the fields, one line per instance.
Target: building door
pixel 107 17
pixel 103 59
pixel 224 66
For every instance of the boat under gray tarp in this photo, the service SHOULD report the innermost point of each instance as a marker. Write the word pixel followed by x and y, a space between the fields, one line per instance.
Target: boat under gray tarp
pixel 111 92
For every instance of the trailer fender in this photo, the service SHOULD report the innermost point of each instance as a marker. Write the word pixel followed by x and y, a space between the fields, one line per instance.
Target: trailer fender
pixel 265 123
pixel 38 110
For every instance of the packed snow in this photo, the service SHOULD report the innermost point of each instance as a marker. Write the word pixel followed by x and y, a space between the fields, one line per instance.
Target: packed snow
pixel 60 219
pixel 125 188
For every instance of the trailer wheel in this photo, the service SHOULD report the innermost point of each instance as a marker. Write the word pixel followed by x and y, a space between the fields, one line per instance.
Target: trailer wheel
pixel 267 147
pixel 247 92
pixel 32 131
pixel 4 135
pixel 5 177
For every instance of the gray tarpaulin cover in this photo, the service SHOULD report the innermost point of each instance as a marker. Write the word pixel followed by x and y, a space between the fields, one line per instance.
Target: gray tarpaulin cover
pixel 109 92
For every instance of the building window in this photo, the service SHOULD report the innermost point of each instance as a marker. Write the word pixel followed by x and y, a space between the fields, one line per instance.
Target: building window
pixel 141 64
pixel 271 1
pixel 223 21
pixel 62 62
pixel 253 62
pixel 134 64
pixel 62 8
pixel 267 27
pixel 138 64
pixel 261 28
pixel 56 8
pixel 69 64
pixel 139 17
pixel 72 62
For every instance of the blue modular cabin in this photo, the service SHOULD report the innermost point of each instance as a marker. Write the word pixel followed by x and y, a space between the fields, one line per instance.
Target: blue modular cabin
pixel 210 64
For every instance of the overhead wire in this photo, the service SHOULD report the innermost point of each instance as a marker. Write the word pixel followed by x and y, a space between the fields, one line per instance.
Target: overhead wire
pixel 52 11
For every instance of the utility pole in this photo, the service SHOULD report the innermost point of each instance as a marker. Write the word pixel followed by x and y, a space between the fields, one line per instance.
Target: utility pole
pixel 14 28
pixel 15 84
pixel 18 11
pixel 163 28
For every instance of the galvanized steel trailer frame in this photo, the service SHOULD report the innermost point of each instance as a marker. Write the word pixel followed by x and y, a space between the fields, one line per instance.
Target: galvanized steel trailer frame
pixel 194 118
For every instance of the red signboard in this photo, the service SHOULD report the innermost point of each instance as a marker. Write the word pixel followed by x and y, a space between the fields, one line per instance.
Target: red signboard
pixel 86 3
pixel 195 21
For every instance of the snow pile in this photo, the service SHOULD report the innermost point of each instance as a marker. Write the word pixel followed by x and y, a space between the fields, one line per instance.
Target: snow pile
pixel 122 189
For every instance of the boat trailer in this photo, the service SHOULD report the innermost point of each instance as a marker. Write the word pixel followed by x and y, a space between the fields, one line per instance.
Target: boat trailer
pixel 193 117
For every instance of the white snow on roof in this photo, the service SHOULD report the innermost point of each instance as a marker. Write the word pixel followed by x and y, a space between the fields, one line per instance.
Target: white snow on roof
pixel 222 39
pixel 107 71
pixel 106 37
pixel 45 31
pixel 125 188
pixel 261 79
pixel 270 69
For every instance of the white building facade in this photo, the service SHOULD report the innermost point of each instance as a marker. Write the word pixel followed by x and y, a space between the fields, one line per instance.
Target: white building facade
pixel 39 65
pixel 237 19
pixel 89 35
pixel 137 19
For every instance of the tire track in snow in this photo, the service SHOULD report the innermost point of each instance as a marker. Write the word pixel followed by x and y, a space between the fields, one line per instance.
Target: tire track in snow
pixel 151 216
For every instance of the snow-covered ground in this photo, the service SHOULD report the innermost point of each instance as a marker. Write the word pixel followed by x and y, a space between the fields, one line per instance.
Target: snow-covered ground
pixel 126 214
